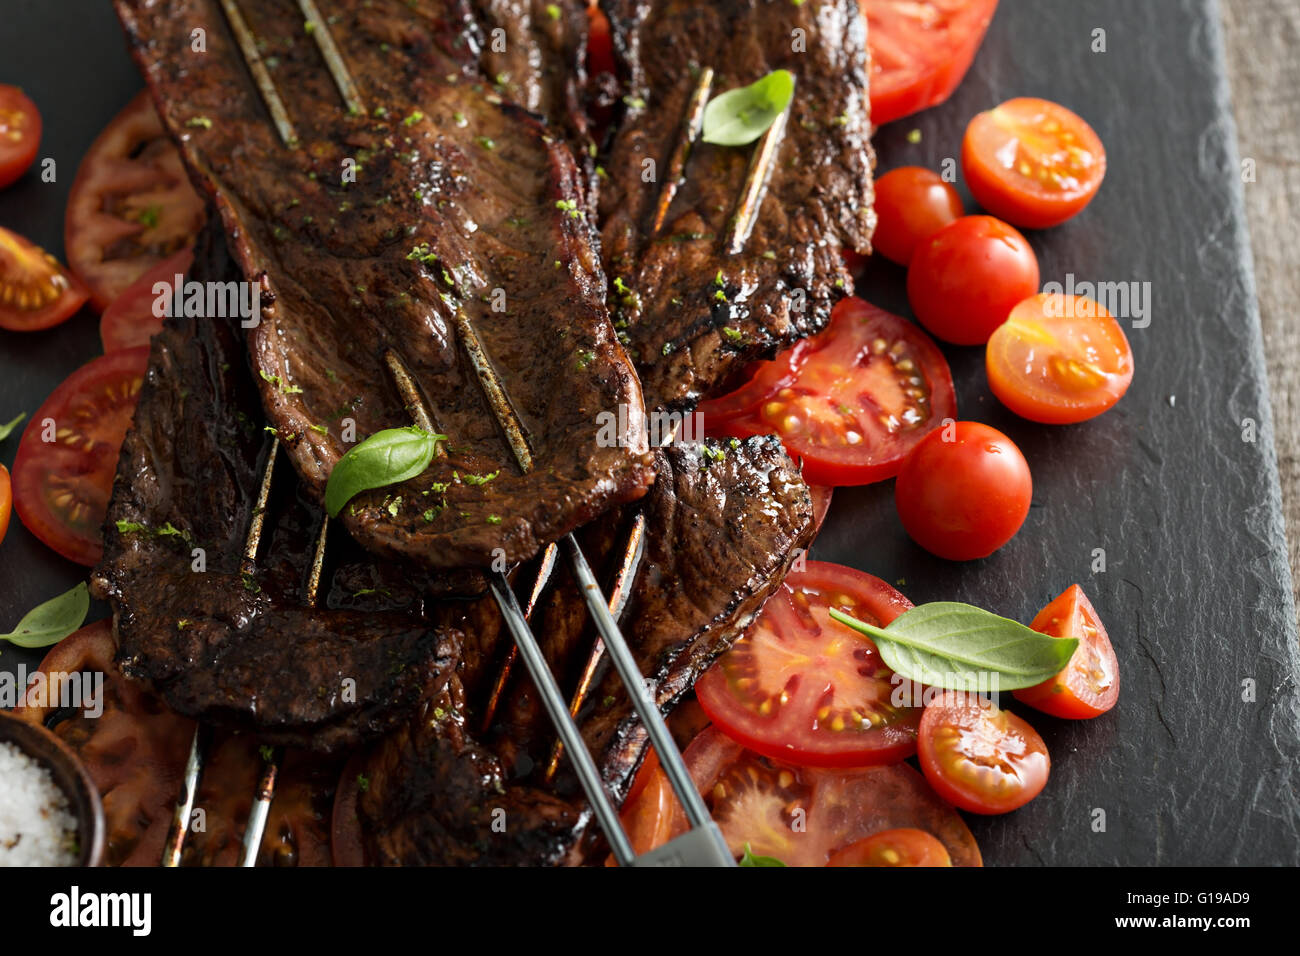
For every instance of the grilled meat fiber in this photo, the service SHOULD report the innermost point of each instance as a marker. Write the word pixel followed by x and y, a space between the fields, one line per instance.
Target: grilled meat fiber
pixel 695 306
pixel 722 526
pixel 437 216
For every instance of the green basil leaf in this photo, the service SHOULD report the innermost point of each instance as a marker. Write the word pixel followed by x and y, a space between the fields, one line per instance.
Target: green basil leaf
pixel 52 621
pixel 7 429
pixel 385 458
pixel 740 116
pixel 951 645
pixel 749 859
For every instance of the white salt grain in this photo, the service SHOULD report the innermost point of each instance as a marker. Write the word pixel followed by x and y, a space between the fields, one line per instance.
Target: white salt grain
pixel 36 826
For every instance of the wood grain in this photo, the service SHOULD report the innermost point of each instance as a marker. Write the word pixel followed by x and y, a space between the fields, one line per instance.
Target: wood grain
pixel 1262 37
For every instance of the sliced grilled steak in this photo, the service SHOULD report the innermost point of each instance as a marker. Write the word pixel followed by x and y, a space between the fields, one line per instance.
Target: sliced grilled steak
pixel 694 314
pixel 217 639
pixel 723 525
pixel 463 210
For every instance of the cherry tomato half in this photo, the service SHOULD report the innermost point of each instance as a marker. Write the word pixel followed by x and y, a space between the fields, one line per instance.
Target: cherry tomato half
pixel 966 278
pixel 1032 162
pixel 20 134
pixel 920 50
pixel 980 758
pixel 799 815
pixel 912 204
pixel 1089 685
pixel 964 491
pixel 6 500
pixel 131 205
pixel 803 688
pixel 62 486
pixel 1059 359
pixel 902 847
pixel 35 291
pixel 850 401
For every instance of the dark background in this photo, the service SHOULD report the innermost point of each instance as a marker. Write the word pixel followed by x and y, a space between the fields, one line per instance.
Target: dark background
pixel 1196 592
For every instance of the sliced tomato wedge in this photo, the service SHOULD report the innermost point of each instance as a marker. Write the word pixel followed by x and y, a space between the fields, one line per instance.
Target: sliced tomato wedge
pixel 901 847
pixel 130 320
pixel 821 499
pixel 981 758
pixel 851 401
pixel 806 689
pixel 36 292
pixel 920 50
pixel 799 815
pixel 6 500
pixel 1059 359
pixel 1032 162
pixel 20 134
pixel 62 485
pixel 131 205
pixel 1089 685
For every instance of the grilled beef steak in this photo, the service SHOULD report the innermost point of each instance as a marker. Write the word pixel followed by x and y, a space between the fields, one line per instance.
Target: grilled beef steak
pixel 695 308
pixel 722 526
pixel 435 215
pixel 218 638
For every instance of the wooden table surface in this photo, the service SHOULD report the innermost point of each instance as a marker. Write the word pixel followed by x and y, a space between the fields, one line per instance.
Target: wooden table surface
pixel 1263 37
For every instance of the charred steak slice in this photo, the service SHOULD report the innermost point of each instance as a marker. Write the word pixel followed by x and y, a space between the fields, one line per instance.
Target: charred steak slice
pixel 217 640
pixel 723 525
pixel 693 313
pixel 437 208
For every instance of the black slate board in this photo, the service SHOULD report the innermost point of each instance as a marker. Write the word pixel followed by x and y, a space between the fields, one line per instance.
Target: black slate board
pixel 1196 591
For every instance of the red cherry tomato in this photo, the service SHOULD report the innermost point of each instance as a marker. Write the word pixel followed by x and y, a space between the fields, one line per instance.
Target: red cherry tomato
pixel 1032 162
pixel 964 491
pixel 803 688
pixel 979 758
pixel 1089 685
pixel 1059 359
pixel 901 847
pixel 35 291
pixel 6 500
pixel 20 134
pixel 966 278
pixel 129 320
pixel 912 204
pixel 920 50
pixel 850 401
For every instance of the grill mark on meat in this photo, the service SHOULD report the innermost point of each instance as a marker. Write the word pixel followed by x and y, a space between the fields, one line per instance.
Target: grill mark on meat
pixel 215 644
pixel 721 533
pixel 688 342
pixel 462 204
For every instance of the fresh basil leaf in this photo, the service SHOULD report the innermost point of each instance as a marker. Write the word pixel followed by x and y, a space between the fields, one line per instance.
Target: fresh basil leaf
pixel 749 859
pixel 951 645
pixel 385 458
pixel 740 116
pixel 52 621
pixel 7 429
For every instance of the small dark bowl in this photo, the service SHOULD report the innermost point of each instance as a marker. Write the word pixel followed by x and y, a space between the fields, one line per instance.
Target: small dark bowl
pixel 70 777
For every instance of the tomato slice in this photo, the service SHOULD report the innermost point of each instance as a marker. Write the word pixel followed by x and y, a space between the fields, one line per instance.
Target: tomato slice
pixel 6 500
pixel 799 815
pixel 920 50
pixel 901 847
pixel 821 499
pixel 1032 162
pixel 20 134
pixel 806 689
pixel 62 485
pixel 1089 685
pixel 912 204
pixel 600 44
pixel 134 751
pixel 131 205
pixel 857 397
pixel 980 758
pixel 129 320
pixel 36 292
pixel 1059 359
